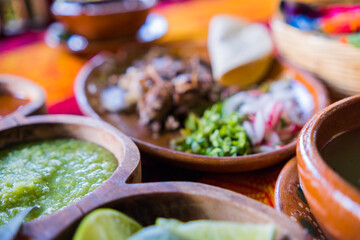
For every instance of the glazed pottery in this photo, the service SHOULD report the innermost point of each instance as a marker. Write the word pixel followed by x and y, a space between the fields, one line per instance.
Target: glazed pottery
pixel 103 19
pixel 334 202
pixel 290 200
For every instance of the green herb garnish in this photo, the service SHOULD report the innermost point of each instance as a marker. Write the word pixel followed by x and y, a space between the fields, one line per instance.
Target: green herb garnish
pixel 213 134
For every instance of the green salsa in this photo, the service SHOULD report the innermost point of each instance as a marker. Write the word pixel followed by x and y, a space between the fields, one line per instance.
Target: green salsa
pixel 51 173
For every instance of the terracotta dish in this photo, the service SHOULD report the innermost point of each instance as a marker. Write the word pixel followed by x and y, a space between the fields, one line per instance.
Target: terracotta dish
pixel 103 19
pixel 333 201
pixel 18 86
pixel 184 201
pixel 92 79
pixel 290 200
pixel 68 126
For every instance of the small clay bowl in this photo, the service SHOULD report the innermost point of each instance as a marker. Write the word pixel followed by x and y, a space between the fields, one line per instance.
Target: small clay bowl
pixel 21 87
pixel 93 78
pixel 43 127
pixel 181 200
pixel 333 201
pixel 103 19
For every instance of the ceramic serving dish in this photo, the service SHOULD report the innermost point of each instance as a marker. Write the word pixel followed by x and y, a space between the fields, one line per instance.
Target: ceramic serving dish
pixel 290 200
pixel 93 78
pixel 21 87
pixel 103 19
pixel 182 200
pixel 333 201
pixel 68 126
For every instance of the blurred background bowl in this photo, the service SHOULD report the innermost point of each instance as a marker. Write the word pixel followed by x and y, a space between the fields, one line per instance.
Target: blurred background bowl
pixel 103 19
pixel 21 87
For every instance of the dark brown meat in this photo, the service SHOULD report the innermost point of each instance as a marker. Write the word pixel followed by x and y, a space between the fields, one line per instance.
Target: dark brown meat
pixel 156 104
pixel 170 88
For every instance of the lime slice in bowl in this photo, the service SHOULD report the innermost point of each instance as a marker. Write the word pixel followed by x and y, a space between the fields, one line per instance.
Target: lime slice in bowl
pixel 106 224
pixel 213 230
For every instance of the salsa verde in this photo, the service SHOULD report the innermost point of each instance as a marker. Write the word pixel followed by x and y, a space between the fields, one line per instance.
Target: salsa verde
pixel 51 174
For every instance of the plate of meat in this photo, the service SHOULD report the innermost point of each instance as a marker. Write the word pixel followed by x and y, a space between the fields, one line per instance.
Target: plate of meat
pixel 166 100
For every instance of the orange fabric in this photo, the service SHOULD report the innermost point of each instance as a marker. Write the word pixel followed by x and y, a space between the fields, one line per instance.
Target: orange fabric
pixel 56 70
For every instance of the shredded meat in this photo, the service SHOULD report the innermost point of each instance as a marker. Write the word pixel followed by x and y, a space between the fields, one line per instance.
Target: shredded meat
pixel 165 88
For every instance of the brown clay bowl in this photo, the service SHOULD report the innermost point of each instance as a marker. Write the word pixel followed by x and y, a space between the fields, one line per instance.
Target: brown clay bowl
pixel 181 200
pixel 104 19
pixel 21 87
pixel 333 201
pixel 93 78
pixel 68 126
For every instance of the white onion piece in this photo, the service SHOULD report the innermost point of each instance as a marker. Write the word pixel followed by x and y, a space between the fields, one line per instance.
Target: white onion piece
pixel 259 128
pixel 272 117
pixel 113 99
pixel 248 127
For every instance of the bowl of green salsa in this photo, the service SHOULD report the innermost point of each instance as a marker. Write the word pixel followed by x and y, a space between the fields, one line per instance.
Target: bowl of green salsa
pixel 55 162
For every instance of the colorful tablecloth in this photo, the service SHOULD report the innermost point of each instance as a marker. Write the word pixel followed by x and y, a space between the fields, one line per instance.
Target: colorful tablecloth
pixel 28 56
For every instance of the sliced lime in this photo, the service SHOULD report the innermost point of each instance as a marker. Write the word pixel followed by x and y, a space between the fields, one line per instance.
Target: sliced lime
pixel 155 233
pixel 213 230
pixel 106 224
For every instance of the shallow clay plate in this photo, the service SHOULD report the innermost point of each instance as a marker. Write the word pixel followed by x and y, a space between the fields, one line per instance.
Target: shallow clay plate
pixel 290 200
pixel 93 78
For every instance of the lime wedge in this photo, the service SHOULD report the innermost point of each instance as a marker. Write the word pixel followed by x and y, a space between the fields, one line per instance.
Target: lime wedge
pixel 213 230
pixel 155 233
pixel 106 224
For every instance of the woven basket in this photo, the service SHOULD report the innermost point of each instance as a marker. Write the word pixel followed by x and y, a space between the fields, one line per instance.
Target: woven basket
pixel 338 64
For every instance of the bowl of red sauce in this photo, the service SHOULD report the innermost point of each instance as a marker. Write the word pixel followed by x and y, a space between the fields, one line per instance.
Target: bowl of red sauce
pixel 19 96
pixel 328 156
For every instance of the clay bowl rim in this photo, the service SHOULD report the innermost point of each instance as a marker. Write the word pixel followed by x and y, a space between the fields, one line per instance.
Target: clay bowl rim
pixel 35 104
pixel 200 162
pixel 280 182
pixel 128 166
pixel 102 8
pixel 312 159
pixel 191 189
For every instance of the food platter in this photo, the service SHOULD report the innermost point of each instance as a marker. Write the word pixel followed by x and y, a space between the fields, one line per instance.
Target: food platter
pixel 314 97
pixel 58 170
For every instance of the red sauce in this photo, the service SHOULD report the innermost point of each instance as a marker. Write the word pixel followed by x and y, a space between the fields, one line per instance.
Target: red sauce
pixel 9 104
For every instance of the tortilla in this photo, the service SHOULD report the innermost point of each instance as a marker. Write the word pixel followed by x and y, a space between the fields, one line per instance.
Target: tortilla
pixel 240 52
